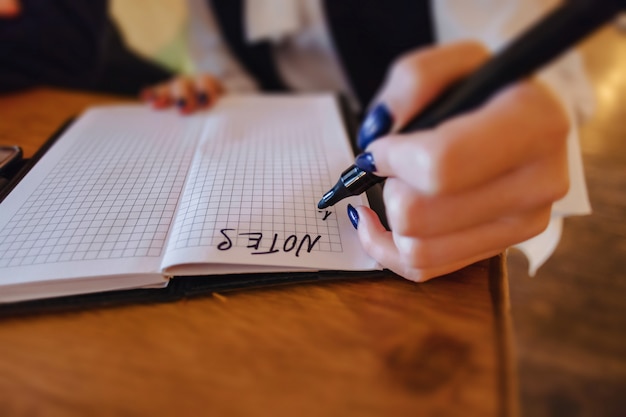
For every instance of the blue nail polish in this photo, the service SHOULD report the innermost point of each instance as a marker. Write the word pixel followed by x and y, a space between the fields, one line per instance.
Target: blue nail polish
pixel 203 98
pixel 377 123
pixel 365 161
pixel 353 215
pixel 181 103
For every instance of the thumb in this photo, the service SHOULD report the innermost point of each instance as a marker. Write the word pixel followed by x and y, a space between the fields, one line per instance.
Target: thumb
pixel 413 81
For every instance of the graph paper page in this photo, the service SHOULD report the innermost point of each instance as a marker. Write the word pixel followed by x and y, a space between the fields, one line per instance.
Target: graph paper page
pixel 101 200
pixel 262 165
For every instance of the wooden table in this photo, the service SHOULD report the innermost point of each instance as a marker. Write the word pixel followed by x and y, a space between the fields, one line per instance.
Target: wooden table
pixel 361 347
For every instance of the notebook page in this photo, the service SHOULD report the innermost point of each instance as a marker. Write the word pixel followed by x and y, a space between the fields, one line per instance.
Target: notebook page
pixel 251 197
pixel 101 200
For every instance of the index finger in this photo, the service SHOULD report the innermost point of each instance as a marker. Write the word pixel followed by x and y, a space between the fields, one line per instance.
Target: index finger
pixel 519 125
pixel 414 80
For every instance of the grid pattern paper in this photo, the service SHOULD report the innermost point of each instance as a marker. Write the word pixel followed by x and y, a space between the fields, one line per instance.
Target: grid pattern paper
pixel 257 176
pixel 113 195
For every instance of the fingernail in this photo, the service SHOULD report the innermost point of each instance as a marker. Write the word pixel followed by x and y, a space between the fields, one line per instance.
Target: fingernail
pixel 377 123
pixel 203 98
pixel 181 103
pixel 353 215
pixel 365 161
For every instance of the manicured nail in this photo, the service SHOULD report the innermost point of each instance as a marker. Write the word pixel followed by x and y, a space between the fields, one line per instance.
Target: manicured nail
pixel 181 103
pixel 353 215
pixel 377 123
pixel 365 161
pixel 203 98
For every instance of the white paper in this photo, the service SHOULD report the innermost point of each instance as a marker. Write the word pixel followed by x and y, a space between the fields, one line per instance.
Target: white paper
pixel 241 182
pixel 262 165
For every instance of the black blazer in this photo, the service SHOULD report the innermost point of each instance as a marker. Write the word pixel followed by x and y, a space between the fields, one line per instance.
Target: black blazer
pixel 72 44
pixel 368 35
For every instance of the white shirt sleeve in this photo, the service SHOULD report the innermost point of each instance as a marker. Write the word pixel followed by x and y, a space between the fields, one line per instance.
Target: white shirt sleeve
pixel 209 52
pixel 302 47
pixel 495 22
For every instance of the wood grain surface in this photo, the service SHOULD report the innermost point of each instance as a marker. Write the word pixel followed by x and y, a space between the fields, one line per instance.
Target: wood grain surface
pixel 361 347
pixel 570 319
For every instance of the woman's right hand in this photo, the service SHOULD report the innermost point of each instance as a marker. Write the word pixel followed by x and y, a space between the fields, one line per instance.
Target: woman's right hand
pixel 188 93
pixel 469 188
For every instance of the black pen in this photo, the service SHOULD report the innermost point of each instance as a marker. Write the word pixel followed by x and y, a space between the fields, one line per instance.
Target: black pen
pixel 544 41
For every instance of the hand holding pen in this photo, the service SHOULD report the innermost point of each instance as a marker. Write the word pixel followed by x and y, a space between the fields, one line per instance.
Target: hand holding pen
pixel 483 155
pixel 469 188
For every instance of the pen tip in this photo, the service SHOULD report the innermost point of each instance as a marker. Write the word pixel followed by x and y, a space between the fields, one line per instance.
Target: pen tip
pixel 325 201
pixel 334 195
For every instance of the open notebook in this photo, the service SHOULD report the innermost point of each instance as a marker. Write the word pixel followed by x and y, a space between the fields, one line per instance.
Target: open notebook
pixel 129 196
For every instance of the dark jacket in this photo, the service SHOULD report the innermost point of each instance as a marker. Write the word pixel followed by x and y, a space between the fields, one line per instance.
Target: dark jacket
pixel 71 44
pixel 368 35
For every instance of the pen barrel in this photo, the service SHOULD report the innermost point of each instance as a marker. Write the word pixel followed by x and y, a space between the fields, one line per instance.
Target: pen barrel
pixel 540 44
